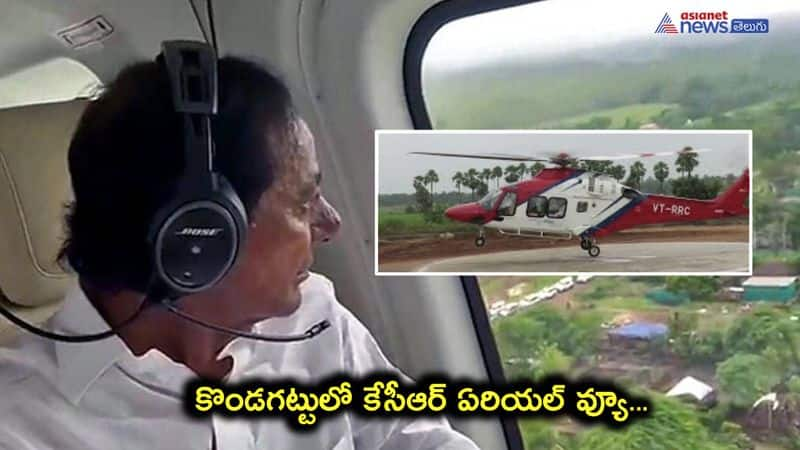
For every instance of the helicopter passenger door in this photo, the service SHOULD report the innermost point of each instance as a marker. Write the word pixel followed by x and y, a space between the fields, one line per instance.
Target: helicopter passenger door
pixel 507 209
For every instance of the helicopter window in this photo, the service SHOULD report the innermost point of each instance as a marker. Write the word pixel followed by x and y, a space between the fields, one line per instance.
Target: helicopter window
pixel 582 207
pixel 508 206
pixel 556 207
pixel 488 200
pixel 537 207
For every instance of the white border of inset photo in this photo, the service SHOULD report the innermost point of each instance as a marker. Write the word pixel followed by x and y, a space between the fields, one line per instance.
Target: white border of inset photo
pixel 746 272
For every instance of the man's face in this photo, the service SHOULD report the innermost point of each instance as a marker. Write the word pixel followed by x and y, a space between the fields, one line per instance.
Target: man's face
pixel 291 216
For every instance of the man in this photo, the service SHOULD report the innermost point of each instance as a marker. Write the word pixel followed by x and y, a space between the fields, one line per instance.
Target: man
pixel 125 392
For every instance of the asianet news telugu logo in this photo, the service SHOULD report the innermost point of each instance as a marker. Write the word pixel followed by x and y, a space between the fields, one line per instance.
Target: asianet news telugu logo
pixel 710 22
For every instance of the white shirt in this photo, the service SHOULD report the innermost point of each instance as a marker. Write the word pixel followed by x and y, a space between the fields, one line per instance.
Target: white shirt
pixel 100 396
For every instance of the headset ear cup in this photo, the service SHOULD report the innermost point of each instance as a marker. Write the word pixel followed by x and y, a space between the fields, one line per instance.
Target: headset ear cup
pixel 197 244
pixel 235 206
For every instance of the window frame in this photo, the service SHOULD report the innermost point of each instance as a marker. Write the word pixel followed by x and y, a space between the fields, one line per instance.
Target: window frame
pixel 502 199
pixel 421 33
pixel 528 207
pixel 563 211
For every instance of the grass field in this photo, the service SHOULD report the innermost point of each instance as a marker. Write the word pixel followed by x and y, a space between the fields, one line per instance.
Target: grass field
pixel 639 112
pixel 397 223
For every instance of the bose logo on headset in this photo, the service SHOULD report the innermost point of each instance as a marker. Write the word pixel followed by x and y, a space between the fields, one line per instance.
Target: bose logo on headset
pixel 205 232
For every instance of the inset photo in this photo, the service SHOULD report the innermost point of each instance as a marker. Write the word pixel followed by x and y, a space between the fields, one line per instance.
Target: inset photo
pixel 563 202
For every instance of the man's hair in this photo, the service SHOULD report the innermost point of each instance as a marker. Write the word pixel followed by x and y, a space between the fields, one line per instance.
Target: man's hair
pixel 127 155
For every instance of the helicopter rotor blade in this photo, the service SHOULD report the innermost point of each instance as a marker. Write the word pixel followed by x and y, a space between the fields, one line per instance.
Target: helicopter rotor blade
pixel 641 155
pixel 496 156
pixel 561 157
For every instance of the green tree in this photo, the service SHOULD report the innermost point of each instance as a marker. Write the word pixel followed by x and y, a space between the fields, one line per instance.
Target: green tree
pixel 497 174
pixel 512 175
pixel 458 180
pixel 471 181
pixel 482 189
pixel 698 97
pixel 600 166
pixel 672 425
pixel 486 175
pixel 705 188
pixel 661 172
pixel 421 195
pixel 521 335
pixel 595 123
pixel 697 288
pixel 617 172
pixel 745 377
pixel 686 162
pixel 636 174
pixel 551 361
pixel 522 169
pixel 431 178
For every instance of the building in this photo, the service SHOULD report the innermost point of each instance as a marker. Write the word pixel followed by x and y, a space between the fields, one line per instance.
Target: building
pixel 770 289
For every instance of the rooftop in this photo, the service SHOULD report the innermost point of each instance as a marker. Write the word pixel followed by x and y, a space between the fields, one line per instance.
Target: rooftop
pixel 770 281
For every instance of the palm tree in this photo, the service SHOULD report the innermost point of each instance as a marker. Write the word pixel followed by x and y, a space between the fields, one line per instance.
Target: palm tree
pixel 617 172
pixel 471 178
pixel 419 180
pixel 511 174
pixel 687 161
pixel 432 178
pixel 458 179
pixel 486 175
pixel 522 169
pixel 497 173
pixel 661 172
pixel 636 174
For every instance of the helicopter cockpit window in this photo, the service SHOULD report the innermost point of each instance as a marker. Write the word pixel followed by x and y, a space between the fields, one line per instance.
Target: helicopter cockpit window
pixel 537 207
pixel 556 207
pixel 488 200
pixel 508 206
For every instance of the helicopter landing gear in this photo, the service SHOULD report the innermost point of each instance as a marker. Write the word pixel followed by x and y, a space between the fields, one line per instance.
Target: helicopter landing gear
pixel 590 245
pixel 480 241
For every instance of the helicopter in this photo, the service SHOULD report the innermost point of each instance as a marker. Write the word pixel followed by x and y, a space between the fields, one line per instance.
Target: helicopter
pixel 565 202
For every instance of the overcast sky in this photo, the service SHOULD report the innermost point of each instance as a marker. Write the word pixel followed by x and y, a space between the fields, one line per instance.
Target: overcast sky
pixel 552 27
pixel 397 168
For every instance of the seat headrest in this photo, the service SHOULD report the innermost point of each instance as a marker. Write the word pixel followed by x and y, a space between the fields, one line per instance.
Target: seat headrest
pixel 34 190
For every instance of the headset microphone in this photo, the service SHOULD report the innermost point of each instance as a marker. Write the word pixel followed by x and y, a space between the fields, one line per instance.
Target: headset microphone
pixel 313 331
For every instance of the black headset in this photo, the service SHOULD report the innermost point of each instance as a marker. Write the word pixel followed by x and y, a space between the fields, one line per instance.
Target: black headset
pixel 196 237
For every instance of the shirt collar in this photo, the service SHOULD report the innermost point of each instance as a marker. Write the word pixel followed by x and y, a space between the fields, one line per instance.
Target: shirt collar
pixel 80 364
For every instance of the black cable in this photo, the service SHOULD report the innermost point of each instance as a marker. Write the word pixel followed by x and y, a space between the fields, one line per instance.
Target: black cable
pixel 212 29
pixel 316 329
pixel 72 338
pixel 199 21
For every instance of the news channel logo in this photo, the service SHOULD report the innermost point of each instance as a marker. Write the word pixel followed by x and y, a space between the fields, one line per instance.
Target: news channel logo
pixel 711 22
